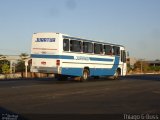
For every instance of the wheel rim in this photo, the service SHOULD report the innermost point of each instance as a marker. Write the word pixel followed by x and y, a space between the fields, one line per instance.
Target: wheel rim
pixel 116 75
pixel 85 75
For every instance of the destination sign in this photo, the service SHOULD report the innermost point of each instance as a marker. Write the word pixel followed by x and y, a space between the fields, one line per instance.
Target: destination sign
pixel 45 40
pixel 81 58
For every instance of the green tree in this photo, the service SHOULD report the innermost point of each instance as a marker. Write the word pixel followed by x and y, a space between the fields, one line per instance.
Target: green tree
pixel 5 68
pixel 2 62
pixel 141 65
pixel 23 56
pixel 20 66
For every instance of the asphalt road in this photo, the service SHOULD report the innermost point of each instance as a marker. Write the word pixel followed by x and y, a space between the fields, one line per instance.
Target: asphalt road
pixel 138 94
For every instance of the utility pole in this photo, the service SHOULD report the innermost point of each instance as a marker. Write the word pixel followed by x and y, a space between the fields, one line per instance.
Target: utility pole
pixel 141 67
pixel 141 61
pixel 10 66
pixel 25 58
pixel 26 70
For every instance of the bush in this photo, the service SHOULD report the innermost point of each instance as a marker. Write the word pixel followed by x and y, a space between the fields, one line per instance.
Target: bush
pixel 154 68
pixel 5 68
pixel 2 62
pixel 20 67
pixel 157 68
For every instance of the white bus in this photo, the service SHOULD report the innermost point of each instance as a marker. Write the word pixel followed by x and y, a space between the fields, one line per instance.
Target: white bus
pixel 66 56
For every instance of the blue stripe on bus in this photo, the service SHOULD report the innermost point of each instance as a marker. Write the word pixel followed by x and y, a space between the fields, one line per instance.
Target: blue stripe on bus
pixel 101 59
pixel 52 56
pixel 69 57
pixel 93 71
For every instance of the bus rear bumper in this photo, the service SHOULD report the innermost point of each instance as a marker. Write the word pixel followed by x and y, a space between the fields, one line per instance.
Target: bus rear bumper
pixel 46 69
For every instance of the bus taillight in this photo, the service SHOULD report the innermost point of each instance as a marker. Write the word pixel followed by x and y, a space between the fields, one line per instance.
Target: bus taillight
pixel 58 62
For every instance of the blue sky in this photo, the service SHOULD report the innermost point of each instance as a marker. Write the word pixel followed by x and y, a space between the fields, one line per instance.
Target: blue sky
pixel 133 23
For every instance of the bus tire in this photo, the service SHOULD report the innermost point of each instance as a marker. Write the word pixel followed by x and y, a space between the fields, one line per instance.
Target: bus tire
pixel 85 75
pixel 116 75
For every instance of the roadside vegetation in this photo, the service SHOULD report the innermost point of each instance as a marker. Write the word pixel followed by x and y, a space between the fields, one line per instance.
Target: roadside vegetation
pixel 4 65
pixel 19 66
pixel 143 67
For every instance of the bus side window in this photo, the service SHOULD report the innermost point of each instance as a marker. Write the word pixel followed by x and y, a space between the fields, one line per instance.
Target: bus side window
pixel 75 46
pixel 87 47
pixel 66 44
pixel 123 56
pixel 108 49
pixel 98 48
pixel 116 50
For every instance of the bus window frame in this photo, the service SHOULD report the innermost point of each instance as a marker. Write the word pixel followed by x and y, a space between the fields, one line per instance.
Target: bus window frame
pixel 75 46
pixel 115 52
pixel 68 45
pixel 110 50
pixel 101 49
pixel 88 47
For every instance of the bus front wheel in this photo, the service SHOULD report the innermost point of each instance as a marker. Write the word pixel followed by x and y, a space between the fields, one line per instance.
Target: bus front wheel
pixel 117 74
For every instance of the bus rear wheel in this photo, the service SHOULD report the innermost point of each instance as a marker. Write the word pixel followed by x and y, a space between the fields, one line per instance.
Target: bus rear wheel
pixel 85 75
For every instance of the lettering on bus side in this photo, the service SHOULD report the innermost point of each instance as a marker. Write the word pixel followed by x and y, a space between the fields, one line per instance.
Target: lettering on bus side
pixel 45 40
pixel 81 58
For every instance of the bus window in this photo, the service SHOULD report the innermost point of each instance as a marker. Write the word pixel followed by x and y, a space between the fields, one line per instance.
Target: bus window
pixel 116 50
pixel 98 48
pixel 108 49
pixel 123 56
pixel 66 44
pixel 87 47
pixel 75 46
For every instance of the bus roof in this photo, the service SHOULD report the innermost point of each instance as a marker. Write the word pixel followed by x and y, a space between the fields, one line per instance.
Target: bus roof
pixel 78 38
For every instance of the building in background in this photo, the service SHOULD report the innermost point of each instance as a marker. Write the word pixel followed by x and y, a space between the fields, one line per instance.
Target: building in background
pixel 131 61
pixel 154 63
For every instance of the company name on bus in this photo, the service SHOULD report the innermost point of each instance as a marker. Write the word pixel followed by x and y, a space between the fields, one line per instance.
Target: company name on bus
pixel 45 40
pixel 81 58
